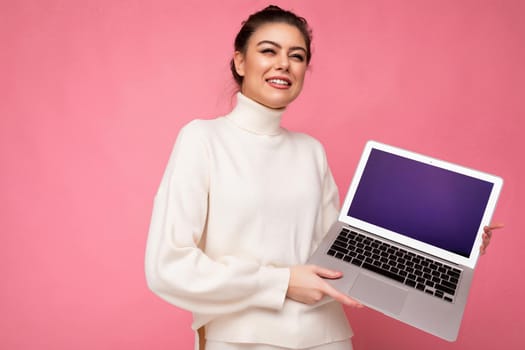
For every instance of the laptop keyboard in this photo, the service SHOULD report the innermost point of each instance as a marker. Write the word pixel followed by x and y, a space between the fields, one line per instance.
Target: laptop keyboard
pixel 411 269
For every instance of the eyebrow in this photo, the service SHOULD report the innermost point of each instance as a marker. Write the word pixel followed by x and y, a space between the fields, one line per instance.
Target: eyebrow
pixel 293 48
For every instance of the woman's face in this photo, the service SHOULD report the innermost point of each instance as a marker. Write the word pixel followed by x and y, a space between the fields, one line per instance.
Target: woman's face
pixel 274 65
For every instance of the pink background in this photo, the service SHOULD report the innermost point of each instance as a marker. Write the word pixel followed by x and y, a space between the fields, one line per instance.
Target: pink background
pixel 93 93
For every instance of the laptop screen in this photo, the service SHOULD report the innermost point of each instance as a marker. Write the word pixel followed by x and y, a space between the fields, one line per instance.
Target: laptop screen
pixel 424 202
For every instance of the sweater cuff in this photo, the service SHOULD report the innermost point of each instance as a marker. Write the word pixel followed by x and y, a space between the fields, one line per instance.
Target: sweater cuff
pixel 273 282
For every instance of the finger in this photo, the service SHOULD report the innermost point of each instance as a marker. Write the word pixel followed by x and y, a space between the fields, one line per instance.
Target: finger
pixel 326 273
pixel 485 243
pixel 493 227
pixel 340 297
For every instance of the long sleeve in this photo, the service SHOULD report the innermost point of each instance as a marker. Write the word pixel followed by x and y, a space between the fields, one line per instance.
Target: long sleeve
pixel 177 269
pixel 330 204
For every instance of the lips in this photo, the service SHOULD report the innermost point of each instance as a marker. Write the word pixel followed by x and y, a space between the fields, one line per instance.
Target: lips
pixel 279 82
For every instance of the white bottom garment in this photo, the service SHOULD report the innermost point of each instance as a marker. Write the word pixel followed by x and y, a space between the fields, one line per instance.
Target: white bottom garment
pixel 216 345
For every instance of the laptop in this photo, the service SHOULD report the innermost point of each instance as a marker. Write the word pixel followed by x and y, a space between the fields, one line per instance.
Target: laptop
pixel 408 236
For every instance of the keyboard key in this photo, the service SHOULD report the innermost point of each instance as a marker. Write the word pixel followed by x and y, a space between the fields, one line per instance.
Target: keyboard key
pixel 339 243
pixel 442 288
pixel 357 262
pixel 453 273
pixel 449 285
pixel 385 273
pixel 410 283
pixel 339 249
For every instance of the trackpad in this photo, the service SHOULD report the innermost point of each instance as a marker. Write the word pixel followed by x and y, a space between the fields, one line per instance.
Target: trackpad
pixel 378 294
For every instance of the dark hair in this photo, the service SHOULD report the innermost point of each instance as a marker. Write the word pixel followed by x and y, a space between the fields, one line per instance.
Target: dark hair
pixel 270 14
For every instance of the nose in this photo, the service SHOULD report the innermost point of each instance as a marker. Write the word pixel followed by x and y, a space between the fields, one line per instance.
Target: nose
pixel 282 62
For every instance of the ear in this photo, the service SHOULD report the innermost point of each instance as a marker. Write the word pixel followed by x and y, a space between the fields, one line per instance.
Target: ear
pixel 238 60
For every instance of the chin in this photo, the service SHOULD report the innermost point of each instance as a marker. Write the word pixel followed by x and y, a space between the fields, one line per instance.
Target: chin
pixel 273 99
pixel 277 106
pixel 279 103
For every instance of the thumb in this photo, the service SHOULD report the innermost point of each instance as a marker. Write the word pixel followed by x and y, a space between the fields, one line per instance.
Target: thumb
pixel 327 273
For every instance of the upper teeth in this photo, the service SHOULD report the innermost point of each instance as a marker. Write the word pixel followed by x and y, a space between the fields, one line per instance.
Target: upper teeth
pixel 279 81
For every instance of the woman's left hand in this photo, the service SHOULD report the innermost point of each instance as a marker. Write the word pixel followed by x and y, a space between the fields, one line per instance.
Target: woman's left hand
pixel 487 235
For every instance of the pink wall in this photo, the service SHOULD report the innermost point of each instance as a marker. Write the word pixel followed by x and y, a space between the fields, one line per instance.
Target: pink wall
pixel 93 93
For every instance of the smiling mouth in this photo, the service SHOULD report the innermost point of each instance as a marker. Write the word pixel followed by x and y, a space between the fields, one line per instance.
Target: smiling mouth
pixel 279 82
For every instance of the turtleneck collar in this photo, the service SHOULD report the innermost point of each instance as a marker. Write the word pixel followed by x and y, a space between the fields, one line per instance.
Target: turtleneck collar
pixel 256 118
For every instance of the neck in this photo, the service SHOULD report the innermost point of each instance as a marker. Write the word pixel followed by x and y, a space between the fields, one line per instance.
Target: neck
pixel 256 118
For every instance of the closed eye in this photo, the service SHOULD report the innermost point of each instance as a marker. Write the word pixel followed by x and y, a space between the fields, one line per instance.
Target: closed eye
pixel 298 57
pixel 268 51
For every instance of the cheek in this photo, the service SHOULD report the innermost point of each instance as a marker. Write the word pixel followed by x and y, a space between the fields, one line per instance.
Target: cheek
pixel 259 64
pixel 300 74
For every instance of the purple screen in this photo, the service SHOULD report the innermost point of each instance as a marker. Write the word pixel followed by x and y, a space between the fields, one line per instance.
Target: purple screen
pixel 432 205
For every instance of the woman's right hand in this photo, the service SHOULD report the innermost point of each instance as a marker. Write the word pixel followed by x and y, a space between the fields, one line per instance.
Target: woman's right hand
pixel 307 285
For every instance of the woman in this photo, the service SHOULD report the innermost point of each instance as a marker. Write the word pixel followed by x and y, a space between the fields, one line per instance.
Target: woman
pixel 244 202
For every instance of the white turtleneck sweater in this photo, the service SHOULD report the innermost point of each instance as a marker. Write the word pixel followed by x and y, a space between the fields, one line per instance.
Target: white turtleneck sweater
pixel 243 199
